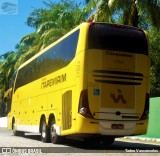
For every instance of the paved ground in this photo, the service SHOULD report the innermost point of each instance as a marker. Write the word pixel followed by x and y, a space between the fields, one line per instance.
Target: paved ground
pixel 31 142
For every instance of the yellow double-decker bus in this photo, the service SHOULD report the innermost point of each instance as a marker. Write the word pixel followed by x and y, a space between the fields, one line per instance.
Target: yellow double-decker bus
pixel 92 83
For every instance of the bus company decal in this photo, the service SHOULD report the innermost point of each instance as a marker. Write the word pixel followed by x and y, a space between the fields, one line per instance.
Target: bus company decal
pixel 118 54
pixel 53 81
pixel 119 97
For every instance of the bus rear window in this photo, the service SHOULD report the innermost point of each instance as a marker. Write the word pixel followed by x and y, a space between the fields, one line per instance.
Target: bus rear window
pixel 117 38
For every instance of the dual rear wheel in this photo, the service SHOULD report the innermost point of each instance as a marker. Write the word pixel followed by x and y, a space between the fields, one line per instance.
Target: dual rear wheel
pixel 48 132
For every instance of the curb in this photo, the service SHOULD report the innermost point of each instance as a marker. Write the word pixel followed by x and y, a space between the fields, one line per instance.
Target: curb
pixel 143 139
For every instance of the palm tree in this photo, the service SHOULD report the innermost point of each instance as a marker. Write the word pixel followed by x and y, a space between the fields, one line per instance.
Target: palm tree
pixel 28 40
pixel 100 11
pixel 53 23
pixel 4 56
pixel 131 11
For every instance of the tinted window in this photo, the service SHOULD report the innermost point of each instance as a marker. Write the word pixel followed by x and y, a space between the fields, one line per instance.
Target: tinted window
pixel 117 38
pixel 54 59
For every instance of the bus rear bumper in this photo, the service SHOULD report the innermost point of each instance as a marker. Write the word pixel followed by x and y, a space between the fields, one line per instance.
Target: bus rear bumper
pixel 114 128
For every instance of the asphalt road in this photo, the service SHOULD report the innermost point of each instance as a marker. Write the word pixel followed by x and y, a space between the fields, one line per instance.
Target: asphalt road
pixel 31 143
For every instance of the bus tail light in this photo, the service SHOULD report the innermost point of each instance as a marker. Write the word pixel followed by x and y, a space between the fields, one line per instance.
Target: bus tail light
pixel 84 105
pixel 91 23
pixel 146 109
pixel 118 25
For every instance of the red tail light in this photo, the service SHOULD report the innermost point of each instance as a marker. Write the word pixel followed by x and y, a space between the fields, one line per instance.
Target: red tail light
pixel 84 105
pixel 146 109
pixel 118 25
pixel 91 23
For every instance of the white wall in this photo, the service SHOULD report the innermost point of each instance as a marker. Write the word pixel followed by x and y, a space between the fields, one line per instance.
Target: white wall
pixel 3 122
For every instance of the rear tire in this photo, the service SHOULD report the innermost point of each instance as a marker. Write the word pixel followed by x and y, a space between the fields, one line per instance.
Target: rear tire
pixel 44 131
pixel 54 137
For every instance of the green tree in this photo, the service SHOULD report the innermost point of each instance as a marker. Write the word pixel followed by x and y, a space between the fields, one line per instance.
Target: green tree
pixel 35 18
pixel 28 40
pixel 130 12
pixel 7 70
pixel 133 11
pixel 155 63
pixel 100 11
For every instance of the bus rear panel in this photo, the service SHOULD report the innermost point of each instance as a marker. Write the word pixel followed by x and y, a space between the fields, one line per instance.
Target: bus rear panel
pixel 116 97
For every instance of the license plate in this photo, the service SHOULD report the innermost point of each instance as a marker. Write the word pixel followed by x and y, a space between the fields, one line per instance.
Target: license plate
pixel 117 126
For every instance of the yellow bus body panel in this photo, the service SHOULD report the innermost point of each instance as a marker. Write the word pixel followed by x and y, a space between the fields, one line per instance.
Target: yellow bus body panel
pixel 58 93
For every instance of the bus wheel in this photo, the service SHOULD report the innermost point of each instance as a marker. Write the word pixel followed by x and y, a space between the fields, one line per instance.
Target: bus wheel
pixel 55 139
pixel 15 132
pixel 44 131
